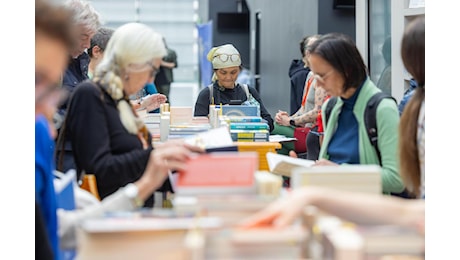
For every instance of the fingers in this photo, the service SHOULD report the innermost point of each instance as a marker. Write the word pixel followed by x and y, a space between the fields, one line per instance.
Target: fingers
pixel 292 154
pixel 324 162
pixel 260 219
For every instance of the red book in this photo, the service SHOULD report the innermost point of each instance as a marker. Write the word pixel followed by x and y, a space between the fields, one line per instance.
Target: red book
pixel 221 172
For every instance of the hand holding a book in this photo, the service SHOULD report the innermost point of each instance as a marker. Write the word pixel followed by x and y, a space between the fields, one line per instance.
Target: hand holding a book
pixel 171 156
pixel 324 162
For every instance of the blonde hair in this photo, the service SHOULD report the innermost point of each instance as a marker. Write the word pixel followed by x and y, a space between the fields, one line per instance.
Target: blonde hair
pixel 132 43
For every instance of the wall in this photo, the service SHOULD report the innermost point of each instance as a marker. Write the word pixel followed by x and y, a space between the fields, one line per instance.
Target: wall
pixel 282 27
pixel 239 40
pixel 335 20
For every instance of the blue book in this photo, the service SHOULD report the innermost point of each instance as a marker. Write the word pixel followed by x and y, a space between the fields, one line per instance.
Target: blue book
pixel 249 126
pixel 246 119
pixel 240 110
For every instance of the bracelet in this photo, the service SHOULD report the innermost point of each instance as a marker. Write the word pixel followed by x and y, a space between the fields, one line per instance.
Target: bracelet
pixel 292 122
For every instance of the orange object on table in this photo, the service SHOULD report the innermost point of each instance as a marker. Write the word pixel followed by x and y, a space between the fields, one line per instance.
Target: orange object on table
pixel 262 148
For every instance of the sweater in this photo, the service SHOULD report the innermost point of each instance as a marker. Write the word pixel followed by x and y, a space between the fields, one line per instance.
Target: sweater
pixel 101 144
pixel 387 124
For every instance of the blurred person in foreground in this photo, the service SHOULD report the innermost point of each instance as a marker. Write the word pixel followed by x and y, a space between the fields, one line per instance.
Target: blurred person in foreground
pixel 365 208
pixel 54 37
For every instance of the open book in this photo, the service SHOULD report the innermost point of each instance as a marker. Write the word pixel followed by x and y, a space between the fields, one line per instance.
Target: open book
pixel 213 140
pixel 283 164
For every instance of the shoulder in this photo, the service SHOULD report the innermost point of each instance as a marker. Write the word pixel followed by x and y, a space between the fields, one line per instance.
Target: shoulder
pixel 204 92
pixel 87 87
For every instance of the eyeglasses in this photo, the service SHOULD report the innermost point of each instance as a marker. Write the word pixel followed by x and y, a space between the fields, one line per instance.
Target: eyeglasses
pixel 322 79
pixel 224 57
pixel 142 67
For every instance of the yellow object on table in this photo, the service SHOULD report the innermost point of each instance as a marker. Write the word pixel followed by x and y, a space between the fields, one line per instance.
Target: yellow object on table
pixel 262 148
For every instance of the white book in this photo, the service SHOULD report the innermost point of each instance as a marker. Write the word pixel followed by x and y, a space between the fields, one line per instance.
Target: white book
pixel 356 177
pixel 283 164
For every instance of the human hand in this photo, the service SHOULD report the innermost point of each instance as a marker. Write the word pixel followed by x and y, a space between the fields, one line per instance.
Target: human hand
pixel 293 154
pixel 153 102
pixel 282 118
pixel 170 156
pixel 324 162
pixel 280 213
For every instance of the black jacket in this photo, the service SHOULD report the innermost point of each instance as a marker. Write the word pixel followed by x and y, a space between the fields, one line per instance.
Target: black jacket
pixel 76 72
pixel 298 74
pixel 101 144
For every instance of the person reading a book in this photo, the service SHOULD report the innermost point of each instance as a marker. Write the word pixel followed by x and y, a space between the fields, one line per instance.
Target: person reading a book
pixel 312 100
pixel 340 70
pixel 54 38
pixel 108 138
pixel 367 208
pixel 226 62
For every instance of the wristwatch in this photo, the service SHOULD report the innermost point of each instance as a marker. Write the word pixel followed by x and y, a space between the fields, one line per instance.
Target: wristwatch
pixel 292 122
pixel 132 192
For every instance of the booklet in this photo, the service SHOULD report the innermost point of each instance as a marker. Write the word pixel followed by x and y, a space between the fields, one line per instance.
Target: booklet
pixel 284 164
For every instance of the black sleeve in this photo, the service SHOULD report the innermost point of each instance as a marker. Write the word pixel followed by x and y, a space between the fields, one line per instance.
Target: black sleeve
pixel 263 111
pixel 91 140
pixel 202 103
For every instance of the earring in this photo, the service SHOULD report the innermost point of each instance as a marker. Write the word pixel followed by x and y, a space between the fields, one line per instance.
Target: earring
pixel 126 77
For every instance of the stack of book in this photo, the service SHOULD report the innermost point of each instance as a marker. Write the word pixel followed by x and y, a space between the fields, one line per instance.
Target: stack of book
pixel 350 241
pixel 180 131
pixel 248 129
pixel 152 122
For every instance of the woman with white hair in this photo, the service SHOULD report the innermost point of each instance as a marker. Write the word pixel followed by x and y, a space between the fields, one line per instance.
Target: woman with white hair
pixel 226 62
pixel 107 137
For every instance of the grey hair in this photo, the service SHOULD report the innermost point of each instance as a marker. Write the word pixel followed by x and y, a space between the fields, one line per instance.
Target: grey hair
pixel 131 43
pixel 84 14
pixel 100 39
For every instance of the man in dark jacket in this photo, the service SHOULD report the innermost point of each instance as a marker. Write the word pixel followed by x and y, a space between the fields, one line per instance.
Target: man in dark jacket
pixel 298 72
pixel 87 23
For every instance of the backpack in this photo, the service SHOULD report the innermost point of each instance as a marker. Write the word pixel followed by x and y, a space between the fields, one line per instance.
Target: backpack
pixel 370 120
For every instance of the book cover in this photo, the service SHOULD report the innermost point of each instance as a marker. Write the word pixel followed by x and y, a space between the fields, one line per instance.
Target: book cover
pixel 356 178
pixel 217 173
pixel 240 110
pixel 246 135
pixel 249 126
pixel 245 119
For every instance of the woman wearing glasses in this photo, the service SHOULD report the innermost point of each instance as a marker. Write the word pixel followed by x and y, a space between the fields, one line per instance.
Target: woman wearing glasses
pixel 226 62
pixel 108 138
pixel 340 70
pixel 368 209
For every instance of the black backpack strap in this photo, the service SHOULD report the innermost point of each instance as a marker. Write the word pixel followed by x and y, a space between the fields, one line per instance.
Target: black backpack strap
pixel 330 104
pixel 370 119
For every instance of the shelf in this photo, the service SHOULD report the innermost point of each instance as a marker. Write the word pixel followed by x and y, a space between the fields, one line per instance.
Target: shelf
pixel 414 11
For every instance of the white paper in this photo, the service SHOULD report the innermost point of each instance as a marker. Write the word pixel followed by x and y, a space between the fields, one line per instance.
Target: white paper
pixel 217 137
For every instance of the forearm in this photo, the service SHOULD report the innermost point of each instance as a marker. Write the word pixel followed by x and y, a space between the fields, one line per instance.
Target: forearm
pixel 168 65
pixel 364 208
pixel 309 117
pixel 69 220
